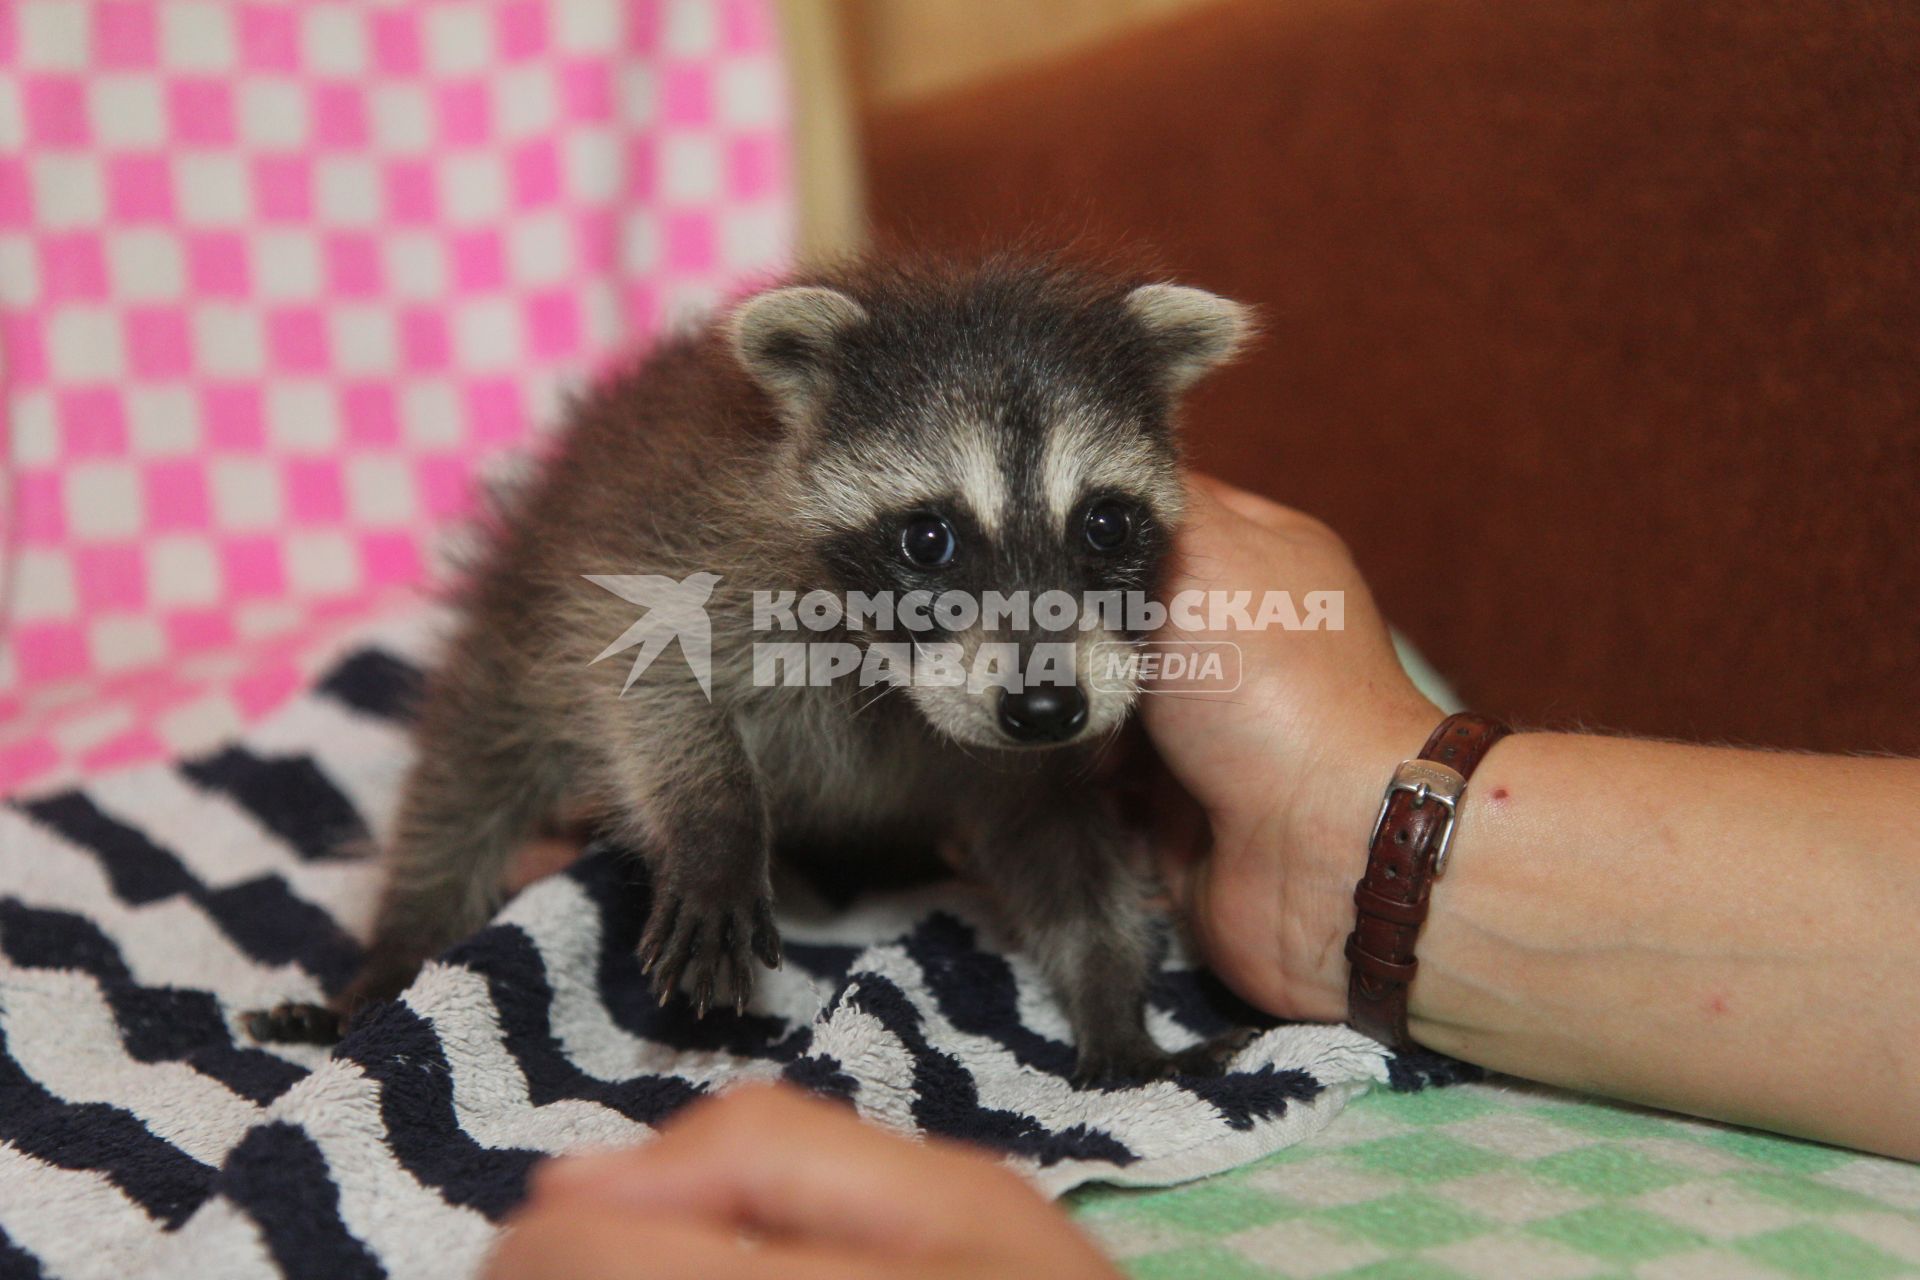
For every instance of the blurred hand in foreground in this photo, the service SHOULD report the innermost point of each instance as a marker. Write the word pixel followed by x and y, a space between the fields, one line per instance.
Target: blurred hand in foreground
pixel 766 1182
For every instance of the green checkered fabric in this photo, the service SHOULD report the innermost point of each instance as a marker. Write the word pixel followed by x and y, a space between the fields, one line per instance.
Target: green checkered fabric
pixel 1504 1181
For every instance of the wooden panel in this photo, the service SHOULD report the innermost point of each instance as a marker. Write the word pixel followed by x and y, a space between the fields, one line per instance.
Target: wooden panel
pixel 904 49
pixel 826 151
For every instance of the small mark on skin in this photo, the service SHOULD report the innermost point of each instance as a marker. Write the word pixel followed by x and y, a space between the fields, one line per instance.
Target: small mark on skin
pixel 1717 1005
pixel 1499 793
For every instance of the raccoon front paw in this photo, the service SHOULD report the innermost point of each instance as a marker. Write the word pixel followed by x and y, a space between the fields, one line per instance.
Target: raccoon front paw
pixel 708 944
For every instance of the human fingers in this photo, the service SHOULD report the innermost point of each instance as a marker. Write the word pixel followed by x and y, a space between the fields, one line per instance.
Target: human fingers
pixel 774 1160
pixel 571 1240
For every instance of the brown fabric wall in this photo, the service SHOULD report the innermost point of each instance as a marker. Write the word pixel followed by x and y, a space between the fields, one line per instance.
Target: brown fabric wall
pixel 1595 327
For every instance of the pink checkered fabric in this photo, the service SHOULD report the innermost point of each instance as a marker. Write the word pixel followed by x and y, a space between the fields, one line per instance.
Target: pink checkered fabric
pixel 275 278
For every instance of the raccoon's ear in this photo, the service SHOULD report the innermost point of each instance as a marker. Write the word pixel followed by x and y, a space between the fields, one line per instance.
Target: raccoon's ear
pixel 1195 331
pixel 784 338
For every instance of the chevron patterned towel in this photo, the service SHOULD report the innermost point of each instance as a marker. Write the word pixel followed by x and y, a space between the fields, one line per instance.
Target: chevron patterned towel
pixel 143 1133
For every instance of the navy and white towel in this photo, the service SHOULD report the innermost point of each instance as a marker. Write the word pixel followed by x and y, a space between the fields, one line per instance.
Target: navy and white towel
pixel 143 1134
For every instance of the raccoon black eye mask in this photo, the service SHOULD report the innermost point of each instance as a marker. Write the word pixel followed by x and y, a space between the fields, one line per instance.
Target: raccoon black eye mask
pixel 1004 427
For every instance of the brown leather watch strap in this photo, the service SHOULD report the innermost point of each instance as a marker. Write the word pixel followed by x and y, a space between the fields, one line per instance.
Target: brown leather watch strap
pixel 1405 856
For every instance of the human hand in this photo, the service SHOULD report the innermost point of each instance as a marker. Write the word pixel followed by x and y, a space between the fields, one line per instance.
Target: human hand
pixel 1286 770
pixel 766 1182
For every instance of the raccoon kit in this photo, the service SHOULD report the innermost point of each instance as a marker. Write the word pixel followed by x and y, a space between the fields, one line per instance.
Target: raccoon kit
pixel 1005 427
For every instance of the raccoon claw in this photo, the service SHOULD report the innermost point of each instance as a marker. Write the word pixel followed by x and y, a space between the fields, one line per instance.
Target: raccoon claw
pixel 659 928
pixel 766 935
pixel 674 958
pixel 681 944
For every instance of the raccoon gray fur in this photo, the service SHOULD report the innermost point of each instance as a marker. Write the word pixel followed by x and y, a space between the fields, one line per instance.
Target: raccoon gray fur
pixel 998 426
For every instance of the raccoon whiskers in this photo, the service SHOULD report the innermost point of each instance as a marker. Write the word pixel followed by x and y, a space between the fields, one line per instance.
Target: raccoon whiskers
pixel 880 691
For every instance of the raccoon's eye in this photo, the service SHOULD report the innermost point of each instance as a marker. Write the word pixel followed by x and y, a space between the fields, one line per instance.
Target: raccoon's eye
pixel 1109 525
pixel 927 541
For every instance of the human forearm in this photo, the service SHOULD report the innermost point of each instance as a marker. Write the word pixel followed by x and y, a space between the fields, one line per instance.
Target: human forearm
pixel 1728 933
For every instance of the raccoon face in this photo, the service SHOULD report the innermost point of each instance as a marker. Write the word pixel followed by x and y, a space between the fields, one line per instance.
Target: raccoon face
pixel 994 456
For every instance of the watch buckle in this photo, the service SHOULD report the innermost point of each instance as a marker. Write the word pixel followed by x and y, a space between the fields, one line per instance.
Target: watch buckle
pixel 1425 780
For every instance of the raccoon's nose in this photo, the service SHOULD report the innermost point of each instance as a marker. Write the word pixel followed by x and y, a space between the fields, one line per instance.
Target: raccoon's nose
pixel 1048 713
